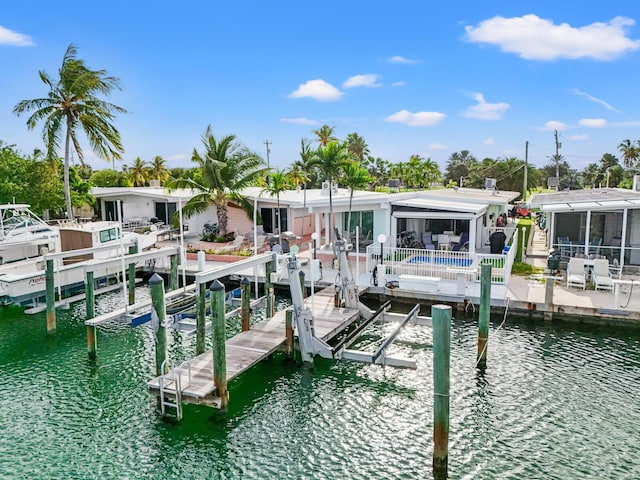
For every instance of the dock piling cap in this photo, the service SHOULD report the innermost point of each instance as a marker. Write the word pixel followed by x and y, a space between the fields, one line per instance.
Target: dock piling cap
pixel 155 279
pixel 216 286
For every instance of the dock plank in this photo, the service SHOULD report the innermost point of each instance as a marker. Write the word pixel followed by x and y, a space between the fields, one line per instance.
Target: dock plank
pixel 246 349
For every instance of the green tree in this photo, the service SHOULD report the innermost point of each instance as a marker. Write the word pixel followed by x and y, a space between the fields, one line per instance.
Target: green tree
pixel 304 166
pixel 226 168
pixel 158 169
pixel 109 178
pixel 357 146
pixel 139 173
pixel 459 166
pixel 279 182
pixel 354 178
pixel 630 152
pixel 325 135
pixel 330 160
pixel 74 104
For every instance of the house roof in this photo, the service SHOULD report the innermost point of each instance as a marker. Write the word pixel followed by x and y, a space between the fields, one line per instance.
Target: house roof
pixel 465 195
pixel 160 193
pixel 583 200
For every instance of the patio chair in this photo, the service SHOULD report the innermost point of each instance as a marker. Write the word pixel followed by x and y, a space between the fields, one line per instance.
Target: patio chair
pixel 594 246
pixel 462 243
pixel 427 241
pixel 575 273
pixel 601 275
pixel 444 242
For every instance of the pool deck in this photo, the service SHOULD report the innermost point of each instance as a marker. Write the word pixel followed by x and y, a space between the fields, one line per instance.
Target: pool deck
pixel 523 294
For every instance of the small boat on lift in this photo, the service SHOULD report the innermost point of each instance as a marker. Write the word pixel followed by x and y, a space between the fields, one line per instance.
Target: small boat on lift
pixel 23 282
pixel 23 234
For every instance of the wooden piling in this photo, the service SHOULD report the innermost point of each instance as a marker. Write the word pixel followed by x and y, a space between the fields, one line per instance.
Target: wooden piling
pixel 548 297
pixel 484 315
pixel 302 287
pixel 245 310
pixel 90 303
pixel 131 276
pixel 219 342
pixel 268 289
pixel 173 273
pixel 201 319
pixel 158 315
pixel 288 328
pixel 51 296
pixel 441 316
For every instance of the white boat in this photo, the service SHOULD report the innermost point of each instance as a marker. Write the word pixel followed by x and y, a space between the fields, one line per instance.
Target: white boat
pixel 23 234
pixel 23 282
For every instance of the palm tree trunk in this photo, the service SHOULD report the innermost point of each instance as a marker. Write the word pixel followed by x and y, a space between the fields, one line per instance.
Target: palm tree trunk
pixel 304 211
pixel 279 221
pixel 349 218
pixel 67 186
pixel 331 238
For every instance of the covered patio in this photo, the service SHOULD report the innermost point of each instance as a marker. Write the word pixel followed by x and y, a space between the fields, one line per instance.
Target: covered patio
pixel 598 223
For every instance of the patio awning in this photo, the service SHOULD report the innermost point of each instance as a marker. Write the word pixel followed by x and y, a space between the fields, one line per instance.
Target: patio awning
pixel 584 206
pixel 428 208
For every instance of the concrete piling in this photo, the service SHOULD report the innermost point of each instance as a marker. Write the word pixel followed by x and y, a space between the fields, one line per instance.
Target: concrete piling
pixel 90 303
pixel 51 296
pixel 219 342
pixel 441 316
pixel 484 315
pixel 158 315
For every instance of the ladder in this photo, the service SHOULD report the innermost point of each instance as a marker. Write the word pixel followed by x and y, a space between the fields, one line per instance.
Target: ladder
pixel 171 387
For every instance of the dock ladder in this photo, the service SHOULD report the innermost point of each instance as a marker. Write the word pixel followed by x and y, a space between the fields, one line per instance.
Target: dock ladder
pixel 171 387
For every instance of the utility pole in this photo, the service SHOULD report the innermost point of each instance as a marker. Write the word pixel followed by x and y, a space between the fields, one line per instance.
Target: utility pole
pixel 267 143
pixel 526 168
pixel 558 145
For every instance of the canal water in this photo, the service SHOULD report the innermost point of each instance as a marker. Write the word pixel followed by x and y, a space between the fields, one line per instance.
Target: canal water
pixel 556 402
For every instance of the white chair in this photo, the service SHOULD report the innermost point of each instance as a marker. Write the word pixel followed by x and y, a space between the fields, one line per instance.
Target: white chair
pixel 601 275
pixel 444 241
pixel 575 273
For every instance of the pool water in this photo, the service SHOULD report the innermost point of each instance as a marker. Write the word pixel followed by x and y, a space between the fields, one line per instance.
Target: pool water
pixel 446 261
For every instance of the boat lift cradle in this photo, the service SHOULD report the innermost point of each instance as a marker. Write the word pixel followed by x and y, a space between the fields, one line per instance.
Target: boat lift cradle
pixel 346 293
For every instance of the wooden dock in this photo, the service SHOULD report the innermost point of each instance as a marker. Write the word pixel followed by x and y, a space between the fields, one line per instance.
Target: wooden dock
pixel 248 348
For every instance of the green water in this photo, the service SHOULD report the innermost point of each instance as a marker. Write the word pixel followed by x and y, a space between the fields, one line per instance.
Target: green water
pixel 557 402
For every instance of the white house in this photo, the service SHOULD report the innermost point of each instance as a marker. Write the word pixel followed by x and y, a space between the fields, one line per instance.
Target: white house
pixel 600 221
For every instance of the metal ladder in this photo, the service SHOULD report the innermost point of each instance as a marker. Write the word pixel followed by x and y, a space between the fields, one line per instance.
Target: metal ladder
pixel 171 387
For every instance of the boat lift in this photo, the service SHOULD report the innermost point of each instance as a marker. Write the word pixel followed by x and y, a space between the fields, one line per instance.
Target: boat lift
pixel 347 296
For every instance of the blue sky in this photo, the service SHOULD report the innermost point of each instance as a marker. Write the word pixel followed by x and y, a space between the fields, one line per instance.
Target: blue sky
pixel 411 77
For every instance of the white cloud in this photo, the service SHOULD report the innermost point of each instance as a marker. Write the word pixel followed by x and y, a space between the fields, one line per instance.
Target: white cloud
pixel 553 125
pixel 402 60
pixel 535 38
pixel 579 138
pixel 486 111
pixel 592 122
pixel 488 141
pixel 318 90
pixel 367 80
pixel 418 119
pixel 398 84
pixel 9 37
pixel 594 99
pixel 299 121
pixel 437 146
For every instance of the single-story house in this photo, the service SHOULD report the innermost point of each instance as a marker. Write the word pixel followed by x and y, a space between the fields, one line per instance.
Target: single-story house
pixel 459 210
pixel 599 221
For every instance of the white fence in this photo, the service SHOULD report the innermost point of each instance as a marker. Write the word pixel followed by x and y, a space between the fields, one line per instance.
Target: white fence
pixel 444 264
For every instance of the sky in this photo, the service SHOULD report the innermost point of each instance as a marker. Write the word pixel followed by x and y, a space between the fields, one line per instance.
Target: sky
pixel 410 77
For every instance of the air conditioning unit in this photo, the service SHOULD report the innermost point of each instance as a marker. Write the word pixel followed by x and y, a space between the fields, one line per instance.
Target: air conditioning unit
pixel 490 183
pixel 393 183
pixel 154 183
pixel 552 182
pixel 325 186
pixel 636 183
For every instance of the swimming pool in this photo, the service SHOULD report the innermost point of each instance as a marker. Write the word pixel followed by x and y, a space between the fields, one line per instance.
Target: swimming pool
pixel 446 261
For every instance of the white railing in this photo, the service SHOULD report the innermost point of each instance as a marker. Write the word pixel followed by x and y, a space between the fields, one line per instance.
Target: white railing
pixel 444 264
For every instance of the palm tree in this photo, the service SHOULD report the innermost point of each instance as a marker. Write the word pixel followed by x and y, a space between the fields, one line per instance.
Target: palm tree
pixel 158 169
pixel 630 152
pixel 357 146
pixel 226 168
pixel 74 104
pixel 304 166
pixel 331 159
pixel 325 135
pixel 278 184
pixel 138 173
pixel 355 178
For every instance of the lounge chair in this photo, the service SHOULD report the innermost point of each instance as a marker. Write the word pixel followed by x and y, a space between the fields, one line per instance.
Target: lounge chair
pixel 463 243
pixel 601 275
pixel 575 273
pixel 427 241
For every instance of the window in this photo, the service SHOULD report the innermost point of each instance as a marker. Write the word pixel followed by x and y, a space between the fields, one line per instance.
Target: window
pixel 109 235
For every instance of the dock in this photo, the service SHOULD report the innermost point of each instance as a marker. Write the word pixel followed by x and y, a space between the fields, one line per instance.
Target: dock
pixel 250 347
